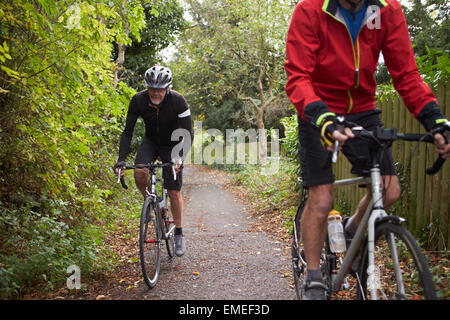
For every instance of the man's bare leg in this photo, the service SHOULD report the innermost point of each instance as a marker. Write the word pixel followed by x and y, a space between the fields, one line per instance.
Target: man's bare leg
pixel 141 177
pixel 391 195
pixel 176 206
pixel 314 222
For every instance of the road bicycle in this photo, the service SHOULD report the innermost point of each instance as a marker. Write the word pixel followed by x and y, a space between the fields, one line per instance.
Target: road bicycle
pixel 383 257
pixel 156 224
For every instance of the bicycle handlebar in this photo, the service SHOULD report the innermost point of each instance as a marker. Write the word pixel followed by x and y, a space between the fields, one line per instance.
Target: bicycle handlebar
pixel 381 136
pixel 151 166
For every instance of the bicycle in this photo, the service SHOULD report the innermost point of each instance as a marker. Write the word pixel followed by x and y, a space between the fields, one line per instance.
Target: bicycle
pixel 156 224
pixel 383 256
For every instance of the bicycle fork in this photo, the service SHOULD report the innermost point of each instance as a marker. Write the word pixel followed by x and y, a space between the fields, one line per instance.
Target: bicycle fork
pixel 377 214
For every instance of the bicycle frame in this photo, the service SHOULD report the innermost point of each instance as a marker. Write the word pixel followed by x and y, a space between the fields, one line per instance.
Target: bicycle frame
pixel 374 212
pixel 155 199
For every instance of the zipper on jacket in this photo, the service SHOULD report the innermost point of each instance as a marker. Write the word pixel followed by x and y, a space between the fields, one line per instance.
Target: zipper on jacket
pixel 356 56
pixel 350 105
pixel 157 118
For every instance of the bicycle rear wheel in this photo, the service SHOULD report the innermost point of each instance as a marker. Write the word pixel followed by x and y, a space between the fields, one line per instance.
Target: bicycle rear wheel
pixel 150 244
pixel 413 280
pixel 298 254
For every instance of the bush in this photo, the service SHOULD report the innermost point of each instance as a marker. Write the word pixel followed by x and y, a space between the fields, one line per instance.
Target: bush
pixel 38 247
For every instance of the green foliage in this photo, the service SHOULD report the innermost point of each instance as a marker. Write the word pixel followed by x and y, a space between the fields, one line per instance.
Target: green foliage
pixel 290 147
pixel 434 67
pixel 429 25
pixel 290 141
pixel 272 193
pixel 234 51
pixel 38 246
pixel 61 118
pixel 164 21
pixel 429 28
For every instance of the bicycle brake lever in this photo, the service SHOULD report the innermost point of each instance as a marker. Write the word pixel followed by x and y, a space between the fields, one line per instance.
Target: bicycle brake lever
pixel 122 181
pixel 118 175
pixel 174 173
pixel 436 166
pixel 439 161
pixel 335 151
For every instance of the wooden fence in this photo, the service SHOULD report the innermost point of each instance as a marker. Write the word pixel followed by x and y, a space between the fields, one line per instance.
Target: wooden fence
pixel 425 200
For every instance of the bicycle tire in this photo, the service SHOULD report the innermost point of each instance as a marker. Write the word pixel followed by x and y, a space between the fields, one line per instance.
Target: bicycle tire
pixel 167 225
pixel 298 254
pixel 150 244
pixel 417 279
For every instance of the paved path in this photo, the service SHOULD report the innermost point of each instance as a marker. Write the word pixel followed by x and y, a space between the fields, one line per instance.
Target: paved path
pixel 225 258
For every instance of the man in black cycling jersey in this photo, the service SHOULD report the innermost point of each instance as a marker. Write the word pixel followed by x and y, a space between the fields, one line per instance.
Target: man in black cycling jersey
pixel 163 111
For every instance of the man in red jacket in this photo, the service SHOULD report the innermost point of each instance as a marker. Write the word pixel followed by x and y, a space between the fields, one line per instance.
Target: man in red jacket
pixel 332 53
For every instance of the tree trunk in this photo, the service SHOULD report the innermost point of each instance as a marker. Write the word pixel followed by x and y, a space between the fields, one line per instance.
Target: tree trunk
pixel 262 136
pixel 119 62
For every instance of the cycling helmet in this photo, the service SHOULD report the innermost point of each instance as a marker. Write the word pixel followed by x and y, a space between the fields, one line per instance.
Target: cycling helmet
pixel 158 77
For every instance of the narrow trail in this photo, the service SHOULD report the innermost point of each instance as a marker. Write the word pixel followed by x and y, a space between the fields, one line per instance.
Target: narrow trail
pixel 225 260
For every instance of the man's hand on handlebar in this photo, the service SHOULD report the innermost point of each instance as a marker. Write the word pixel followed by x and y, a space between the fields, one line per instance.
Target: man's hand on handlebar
pixel 442 139
pixel 120 165
pixel 341 137
pixel 332 130
pixel 178 164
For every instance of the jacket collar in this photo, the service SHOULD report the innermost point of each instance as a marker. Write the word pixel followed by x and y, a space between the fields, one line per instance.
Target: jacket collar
pixel 331 6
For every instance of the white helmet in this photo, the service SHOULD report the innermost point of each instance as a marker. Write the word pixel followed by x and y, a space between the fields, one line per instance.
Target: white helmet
pixel 158 77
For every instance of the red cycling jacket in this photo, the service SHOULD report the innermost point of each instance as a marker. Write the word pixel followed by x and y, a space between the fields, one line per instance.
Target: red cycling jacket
pixel 323 63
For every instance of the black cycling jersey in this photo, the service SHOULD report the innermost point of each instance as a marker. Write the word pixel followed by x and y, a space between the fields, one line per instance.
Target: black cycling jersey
pixel 160 121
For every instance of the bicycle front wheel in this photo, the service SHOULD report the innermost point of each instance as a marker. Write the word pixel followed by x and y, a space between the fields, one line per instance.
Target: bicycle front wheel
pixel 150 244
pixel 406 277
pixel 169 228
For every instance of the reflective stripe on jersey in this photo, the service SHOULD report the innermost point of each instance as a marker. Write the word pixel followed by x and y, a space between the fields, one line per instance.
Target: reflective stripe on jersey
pixel 185 114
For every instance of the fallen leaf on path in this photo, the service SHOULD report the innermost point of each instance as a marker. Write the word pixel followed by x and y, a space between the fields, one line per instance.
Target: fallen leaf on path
pixel 136 282
pixel 100 297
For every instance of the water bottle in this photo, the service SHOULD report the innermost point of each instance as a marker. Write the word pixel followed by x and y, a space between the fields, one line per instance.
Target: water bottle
pixel 336 232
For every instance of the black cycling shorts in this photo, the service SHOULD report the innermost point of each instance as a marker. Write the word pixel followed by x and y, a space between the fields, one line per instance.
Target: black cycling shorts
pixel 312 154
pixel 148 152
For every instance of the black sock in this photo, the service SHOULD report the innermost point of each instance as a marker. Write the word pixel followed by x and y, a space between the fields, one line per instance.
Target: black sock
pixel 178 231
pixel 313 275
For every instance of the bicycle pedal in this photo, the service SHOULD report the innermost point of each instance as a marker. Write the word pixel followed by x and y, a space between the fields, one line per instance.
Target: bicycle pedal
pixel 345 285
pixel 297 268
